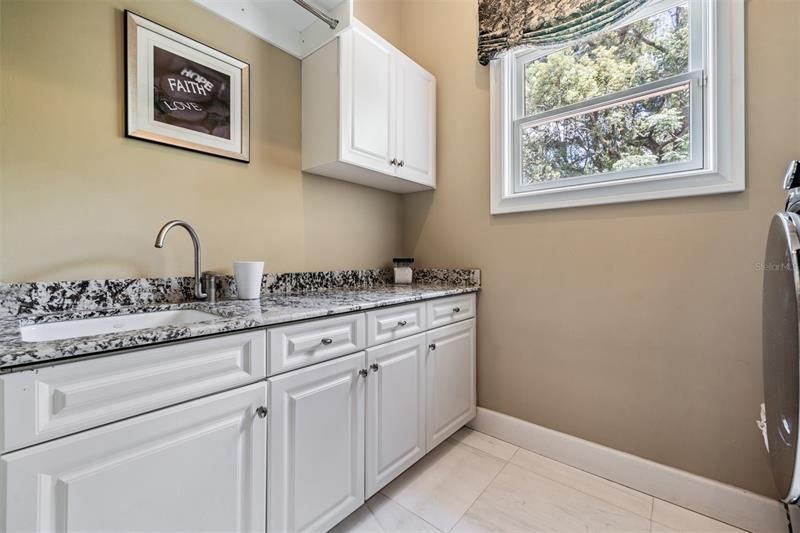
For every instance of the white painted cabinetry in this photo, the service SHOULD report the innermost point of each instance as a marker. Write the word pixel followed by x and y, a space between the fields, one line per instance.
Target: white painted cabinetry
pixel 415 107
pixel 316 447
pixel 342 429
pixel 395 409
pixel 198 466
pixel 369 114
pixel 52 402
pixel 106 445
pixel 451 380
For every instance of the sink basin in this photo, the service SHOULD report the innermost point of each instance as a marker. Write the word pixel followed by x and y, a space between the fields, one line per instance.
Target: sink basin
pixel 69 329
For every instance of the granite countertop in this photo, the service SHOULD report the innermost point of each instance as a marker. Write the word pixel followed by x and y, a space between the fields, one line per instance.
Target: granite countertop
pixel 234 315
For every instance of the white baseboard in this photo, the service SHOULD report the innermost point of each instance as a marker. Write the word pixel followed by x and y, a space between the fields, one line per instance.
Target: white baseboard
pixel 735 506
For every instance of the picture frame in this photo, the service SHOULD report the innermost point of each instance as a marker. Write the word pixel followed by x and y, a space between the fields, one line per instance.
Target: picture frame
pixel 183 93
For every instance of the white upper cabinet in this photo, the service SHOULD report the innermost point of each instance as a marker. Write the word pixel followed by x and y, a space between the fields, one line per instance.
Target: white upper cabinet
pixel 369 114
pixel 367 120
pixel 415 123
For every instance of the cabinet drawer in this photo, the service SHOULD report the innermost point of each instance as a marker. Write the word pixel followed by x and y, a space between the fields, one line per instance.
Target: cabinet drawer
pixel 451 309
pixel 384 325
pixel 39 405
pixel 306 343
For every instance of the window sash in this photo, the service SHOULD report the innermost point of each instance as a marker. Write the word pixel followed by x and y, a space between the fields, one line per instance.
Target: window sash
pixel 696 76
pixel 697 51
pixel 696 141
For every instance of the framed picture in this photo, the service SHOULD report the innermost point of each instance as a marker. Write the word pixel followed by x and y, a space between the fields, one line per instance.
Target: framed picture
pixel 183 93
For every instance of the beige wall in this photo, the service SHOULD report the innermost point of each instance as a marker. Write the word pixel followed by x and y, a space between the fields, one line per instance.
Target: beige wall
pixel 383 16
pixel 637 325
pixel 81 201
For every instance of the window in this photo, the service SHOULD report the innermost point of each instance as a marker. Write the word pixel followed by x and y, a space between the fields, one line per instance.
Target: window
pixel 650 108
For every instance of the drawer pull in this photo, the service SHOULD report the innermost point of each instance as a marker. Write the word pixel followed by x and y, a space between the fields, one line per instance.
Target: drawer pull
pixel 326 341
pixel 262 412
pixel 401 323
pixel 456 309
pixel 374 367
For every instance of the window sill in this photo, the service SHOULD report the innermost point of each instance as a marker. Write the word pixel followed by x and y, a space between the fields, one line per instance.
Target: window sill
pixel 691 183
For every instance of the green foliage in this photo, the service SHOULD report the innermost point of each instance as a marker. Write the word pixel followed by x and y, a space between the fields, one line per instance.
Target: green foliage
pixel 645 132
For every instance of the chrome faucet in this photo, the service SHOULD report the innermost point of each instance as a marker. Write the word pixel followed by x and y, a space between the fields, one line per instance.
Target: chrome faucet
pixel 208 277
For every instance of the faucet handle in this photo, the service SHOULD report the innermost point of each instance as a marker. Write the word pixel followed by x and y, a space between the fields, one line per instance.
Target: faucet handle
pixel 210 285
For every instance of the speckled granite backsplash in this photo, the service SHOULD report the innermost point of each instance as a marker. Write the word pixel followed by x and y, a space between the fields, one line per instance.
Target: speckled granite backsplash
pixel 61 296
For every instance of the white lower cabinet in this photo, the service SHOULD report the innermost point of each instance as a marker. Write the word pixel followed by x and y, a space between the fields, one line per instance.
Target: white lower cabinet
pixel 316 448
pixel 342 429
pixel 198 466
pixel 298 452
pixel 451 380
pixel 395 410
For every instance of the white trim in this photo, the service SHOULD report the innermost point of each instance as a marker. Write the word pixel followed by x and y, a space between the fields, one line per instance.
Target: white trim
pixel 726 503
pixel 724 135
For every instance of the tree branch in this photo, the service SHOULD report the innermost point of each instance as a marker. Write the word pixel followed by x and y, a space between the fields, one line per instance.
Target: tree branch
pixel 648 42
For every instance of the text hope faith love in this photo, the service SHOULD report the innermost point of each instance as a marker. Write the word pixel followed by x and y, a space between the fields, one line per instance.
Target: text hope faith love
pixel 195 85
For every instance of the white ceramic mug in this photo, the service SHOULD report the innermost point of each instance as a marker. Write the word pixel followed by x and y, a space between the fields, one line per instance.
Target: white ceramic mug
pixel 248 276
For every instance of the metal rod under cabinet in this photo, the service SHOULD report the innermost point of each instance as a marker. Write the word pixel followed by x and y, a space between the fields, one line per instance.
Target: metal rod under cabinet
pixel 324 17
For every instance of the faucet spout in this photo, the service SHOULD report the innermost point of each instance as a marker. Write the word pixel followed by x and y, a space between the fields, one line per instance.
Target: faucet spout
pixel 162 234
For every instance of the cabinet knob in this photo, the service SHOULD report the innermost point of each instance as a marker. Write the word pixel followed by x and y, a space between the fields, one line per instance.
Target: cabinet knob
pixel 262 412
pixel 393 161
pixel 363 372
pixel 326 341
pixel 402 323
pixel 432 346
pixel 401 163
pixel 374 367
pixel 456 309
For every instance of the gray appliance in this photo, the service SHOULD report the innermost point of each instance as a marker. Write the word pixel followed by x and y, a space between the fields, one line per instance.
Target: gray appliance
pixel 781 344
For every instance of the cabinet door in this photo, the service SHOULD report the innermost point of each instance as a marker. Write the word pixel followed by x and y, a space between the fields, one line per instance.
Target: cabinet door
pixel 199 466
pixel 367 121
pixel 451 380
pixel 395 409
pixel 416 122
pixel 316 447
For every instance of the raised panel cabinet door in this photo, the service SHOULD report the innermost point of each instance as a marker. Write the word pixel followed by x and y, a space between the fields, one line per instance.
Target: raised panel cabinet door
pixel 416 122
pixel 316 447
pixel 451 400
pixel 198 466
pixel 395 410
pixel 367 136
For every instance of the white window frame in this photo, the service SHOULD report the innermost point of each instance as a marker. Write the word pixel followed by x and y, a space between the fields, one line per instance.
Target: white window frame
pixel 717 162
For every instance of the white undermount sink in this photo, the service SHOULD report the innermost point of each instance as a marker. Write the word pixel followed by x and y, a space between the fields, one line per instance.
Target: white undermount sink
pixel 69 329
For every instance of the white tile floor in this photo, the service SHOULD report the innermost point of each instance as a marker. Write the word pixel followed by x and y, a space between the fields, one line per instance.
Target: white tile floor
pixel 476 483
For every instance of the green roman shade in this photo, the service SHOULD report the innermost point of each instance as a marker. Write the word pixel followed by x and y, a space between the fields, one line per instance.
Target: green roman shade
pixel 507 24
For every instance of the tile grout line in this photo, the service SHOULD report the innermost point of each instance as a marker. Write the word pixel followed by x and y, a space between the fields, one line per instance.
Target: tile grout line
pixel 399 505
pixel 508 462
pixel 453 442
pixel 456 441
pixel 580 489
pixel 652 510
